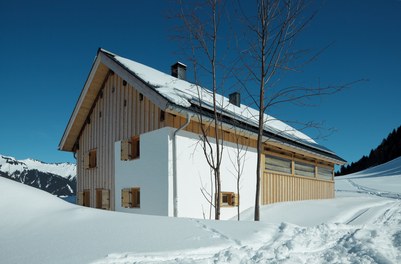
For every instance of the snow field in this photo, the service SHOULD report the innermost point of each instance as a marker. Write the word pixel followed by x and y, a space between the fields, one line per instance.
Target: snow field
pixel 362 225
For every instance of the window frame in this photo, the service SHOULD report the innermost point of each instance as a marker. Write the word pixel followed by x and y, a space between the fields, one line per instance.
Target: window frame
pixel 329 168
pixel 298 158
pixel 134 197
pixel 90 159
pixel 304 164
pixel 232 199
pixel 130 149
pixel 282 158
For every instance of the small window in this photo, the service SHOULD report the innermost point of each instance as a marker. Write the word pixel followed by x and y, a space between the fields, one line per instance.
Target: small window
pixel 162 115
pixel 131 198
pixel 229 199
pixel 90 159
pixel 304 169
pixel 130 149
pixel 278 164
pixel 103 199
pixel 83 198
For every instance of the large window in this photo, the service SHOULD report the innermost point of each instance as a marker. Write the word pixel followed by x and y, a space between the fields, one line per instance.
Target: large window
pixel 298 165
pixel 304 169
pixel 277 164
pixel 325 173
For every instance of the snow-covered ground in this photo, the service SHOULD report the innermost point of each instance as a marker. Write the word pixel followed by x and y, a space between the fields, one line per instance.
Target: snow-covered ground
pixel 362 225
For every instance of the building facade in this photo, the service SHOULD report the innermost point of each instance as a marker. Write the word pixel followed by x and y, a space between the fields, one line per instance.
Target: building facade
pixel 135 133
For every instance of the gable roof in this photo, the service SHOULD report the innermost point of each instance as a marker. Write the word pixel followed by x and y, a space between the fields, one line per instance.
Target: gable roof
pixel 170 92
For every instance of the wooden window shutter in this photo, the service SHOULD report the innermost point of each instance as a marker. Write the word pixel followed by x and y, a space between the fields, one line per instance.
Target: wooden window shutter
pixel 98 198
pixel 86 160
pixel 105 199
pixel 92 158
pixel 236 199
pixel 135 151
pixel 125 149
pixel 80 198
pixel 102 199
pixel 126 198
pixel 86 198
pixel 221 198
pixel 230 199
pixel 136 197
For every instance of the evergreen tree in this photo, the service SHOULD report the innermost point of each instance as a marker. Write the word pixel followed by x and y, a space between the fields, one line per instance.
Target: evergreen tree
pixel 389 149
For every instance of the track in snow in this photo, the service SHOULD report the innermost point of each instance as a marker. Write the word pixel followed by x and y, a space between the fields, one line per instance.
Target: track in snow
pixel 371 191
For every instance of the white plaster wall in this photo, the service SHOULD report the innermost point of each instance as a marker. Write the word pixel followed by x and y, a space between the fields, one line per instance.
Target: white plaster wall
pixel 153 173
pixel 193 172
pixel 150 173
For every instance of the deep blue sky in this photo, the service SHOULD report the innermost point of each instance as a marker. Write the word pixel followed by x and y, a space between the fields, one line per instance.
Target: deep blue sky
pixel 48 47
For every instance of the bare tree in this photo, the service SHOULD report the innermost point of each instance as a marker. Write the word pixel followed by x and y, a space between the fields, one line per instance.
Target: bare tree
pixel 201 24
pixel 270 53
pixel 238 161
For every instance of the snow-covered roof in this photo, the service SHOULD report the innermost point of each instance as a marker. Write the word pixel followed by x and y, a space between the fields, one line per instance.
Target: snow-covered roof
pixel 176 94
pixel 186 94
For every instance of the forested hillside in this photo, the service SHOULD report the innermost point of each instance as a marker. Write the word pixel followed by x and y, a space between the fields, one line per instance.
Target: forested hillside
pixel 389 149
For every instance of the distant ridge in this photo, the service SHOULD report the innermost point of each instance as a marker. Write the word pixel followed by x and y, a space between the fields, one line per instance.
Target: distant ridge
pixel 56 178
pixel 389 149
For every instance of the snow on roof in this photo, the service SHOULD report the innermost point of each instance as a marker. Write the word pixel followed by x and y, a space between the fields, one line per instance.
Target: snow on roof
pixel 183 93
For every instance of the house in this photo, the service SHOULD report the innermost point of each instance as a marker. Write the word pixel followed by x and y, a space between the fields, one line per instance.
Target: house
pixel 135 134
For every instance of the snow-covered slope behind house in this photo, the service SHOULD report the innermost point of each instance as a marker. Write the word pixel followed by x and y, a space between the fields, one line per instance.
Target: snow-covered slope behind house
pixel 57 178
pixel 381 181
pixel 360 226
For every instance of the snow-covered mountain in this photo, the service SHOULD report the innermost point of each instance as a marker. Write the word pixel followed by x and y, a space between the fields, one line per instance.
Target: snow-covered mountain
pixel 56 178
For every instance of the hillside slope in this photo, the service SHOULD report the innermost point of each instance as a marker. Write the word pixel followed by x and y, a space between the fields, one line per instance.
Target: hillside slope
pixel 389 149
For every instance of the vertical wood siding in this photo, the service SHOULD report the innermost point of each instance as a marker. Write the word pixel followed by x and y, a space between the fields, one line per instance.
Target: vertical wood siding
pixel 280 188
pixel 117 115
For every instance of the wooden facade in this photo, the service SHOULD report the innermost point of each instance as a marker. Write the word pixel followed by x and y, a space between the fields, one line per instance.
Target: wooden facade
pixel 282 188
pixel 119 112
